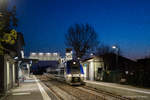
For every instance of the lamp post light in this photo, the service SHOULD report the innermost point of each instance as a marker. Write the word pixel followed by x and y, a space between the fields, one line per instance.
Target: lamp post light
pixel 117 53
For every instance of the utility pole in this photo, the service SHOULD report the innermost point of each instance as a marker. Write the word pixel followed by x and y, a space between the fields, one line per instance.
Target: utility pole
pixel 117 53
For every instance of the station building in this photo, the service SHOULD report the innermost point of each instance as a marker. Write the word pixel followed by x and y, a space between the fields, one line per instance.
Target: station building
pixel 93 67
pixel 105 68
pixel 9 64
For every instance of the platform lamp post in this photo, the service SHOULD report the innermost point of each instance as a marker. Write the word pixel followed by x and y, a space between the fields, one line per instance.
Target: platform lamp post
pixel 117 53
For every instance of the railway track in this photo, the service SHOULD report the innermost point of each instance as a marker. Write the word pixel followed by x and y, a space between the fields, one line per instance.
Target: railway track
pixel 105 95
pixel 77 92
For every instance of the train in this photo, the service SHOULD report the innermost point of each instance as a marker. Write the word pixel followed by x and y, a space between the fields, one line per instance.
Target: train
pixel 72 72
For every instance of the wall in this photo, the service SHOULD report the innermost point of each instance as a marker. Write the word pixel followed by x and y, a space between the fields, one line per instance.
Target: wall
pixel 91 70
pixel 1 73
pixel 91 66
pixel 8 71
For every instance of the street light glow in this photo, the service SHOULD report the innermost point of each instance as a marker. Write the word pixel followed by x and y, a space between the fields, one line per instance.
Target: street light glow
pixel 114 47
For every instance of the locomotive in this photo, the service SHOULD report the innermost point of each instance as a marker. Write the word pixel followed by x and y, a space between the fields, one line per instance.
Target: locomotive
pixel 71 72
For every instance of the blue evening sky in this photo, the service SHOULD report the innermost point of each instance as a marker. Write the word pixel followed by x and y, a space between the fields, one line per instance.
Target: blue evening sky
pixel 122 22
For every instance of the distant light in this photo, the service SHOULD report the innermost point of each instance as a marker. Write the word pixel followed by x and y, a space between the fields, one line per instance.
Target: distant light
pixel 40 53
pixel 114 47
pixel 48 53
pixel 55 54
pixel 91 54
pixel 33 53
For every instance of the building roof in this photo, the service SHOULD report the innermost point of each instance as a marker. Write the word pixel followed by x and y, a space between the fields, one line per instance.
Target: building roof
pixel 111 62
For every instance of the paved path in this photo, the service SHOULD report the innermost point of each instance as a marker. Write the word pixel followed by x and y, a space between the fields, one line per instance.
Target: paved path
pixel 30 89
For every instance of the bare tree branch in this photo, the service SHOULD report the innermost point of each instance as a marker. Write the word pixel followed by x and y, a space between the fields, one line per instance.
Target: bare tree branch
pixel 81 37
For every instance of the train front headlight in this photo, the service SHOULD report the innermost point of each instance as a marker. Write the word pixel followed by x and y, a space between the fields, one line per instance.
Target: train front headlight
pixel 69 75
pixel 81 75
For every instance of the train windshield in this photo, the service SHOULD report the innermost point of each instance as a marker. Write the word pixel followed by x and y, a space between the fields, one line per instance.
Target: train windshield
pixel 74 66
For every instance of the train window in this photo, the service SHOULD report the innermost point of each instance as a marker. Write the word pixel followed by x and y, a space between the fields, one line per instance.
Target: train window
pixel 73 65
pixel 62 71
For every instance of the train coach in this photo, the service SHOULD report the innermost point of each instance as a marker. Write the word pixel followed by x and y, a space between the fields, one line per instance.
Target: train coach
pixel 73 72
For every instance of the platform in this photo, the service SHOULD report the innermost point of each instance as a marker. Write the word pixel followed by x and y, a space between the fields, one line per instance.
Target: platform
pixel 30 89
pixel 123 90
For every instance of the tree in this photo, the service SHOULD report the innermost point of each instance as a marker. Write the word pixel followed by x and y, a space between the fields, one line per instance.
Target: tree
pixel 8 22
pixel 8 19
pixel 108 55
pixel 104 49
pixel 82 38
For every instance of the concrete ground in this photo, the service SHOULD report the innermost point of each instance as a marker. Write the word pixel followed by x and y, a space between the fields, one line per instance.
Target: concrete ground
pixel 123 90
pixel 33 89
pixel 30 89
